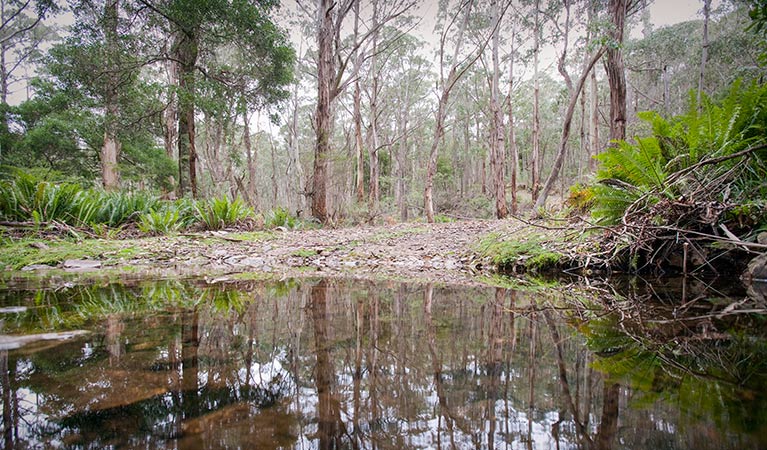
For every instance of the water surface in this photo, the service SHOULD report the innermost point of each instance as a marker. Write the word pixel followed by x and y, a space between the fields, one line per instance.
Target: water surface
pixel 339 364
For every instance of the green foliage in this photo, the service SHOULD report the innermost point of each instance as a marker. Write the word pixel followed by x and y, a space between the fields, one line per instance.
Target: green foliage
pixel 219 213
pixel 24 198
pixel 20 253
pixel 581 198
pixel 441 218
pixel 529 254
pixel 164 221
pixel 279 217
pixel 648 170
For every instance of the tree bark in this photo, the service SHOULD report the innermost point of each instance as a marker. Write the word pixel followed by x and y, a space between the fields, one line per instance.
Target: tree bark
pixel 252 158
pixel 535 163
pixel 357 113
pixel 170 114
pixel 373 161
pixel 110 150
pixel 185 51
pixel 294 171
pixel 497 149
pixel 323 117
pixel 514 163
pixel 541 201
pixel 615 71
pixel 594 113
pixel 704 50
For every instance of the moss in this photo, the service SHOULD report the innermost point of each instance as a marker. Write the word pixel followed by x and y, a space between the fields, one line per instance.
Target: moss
pixel 17 254
pixel 529 254
pixel 304 253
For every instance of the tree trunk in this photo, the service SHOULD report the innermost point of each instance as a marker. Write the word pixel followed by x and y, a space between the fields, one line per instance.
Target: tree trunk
pixel 514 163
pixel 497 150
pixel 400 156
pixel 170 114
pixel 704 50
pixel 294 172
pixel 252 158
pixel 323 117
pixel 535 163
pixel 439 127
pixel 373 161
pixel 185 51
pixel 110 151
pixel 357 113
pixel 541 201
pixel 594 113
pixel 615 71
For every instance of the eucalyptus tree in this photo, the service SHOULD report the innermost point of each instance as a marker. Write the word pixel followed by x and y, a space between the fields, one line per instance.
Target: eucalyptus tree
pixel 102 59
pixel 200 28
pixel 22 31
pixel 451 71
pixel 334 55
pixel 21 34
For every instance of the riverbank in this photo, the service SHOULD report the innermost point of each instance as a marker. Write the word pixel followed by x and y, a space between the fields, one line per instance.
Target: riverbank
pixel 457 253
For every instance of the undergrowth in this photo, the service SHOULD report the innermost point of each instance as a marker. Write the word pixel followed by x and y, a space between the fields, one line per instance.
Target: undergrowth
pixel 529 255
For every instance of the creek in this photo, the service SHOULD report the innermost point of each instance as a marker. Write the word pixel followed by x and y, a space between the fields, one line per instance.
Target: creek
pixel 324 363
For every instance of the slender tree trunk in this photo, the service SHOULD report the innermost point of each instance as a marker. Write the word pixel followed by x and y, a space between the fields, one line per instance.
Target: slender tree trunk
pixel 497 150
pixel 110 151
pixel 594 113
pixel 615 71
pixel 252 158
pixel 373 160
pixel 170 114
pixel 514 163
pixel 541 201
pixel 359 145
pixel 704 50
pixel 3 68
pixel 185 52
pixel 357 113
pixel 400 156
pixel 535 162
pixel 294 172
pixel 439 127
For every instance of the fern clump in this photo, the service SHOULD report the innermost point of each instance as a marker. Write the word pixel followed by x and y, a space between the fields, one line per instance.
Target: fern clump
pixel 219 213
pixel 693 158
pixel 697 175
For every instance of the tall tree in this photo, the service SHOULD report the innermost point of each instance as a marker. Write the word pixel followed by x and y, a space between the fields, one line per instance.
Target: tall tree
pixel 203 28
pixel 616 76
pixel 497 148
pixel 535 157
pixel 110 151
pixel 456 70
pixel 332 60
pixel 704 48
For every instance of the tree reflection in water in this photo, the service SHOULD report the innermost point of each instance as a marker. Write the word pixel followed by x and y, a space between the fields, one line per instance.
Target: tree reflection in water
pixel 333 364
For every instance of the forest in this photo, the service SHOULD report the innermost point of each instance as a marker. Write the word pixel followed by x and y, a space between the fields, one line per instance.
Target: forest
pixel 166 114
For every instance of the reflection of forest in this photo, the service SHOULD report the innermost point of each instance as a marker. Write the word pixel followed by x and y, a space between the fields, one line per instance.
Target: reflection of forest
pixel 329 364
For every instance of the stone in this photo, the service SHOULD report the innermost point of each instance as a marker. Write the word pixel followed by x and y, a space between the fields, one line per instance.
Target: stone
pixel 757 269
pixel 32 267
pixel 81 264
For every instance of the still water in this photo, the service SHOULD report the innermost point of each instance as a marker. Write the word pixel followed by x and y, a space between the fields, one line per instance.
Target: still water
pixel 340 364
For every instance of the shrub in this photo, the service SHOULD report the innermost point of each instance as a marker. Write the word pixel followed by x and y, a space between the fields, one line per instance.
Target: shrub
pixel 216 214
pixel 279 217
pixel 164 221
pixel 690 158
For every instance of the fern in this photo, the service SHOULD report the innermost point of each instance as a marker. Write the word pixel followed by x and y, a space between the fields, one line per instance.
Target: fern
pixel 636 170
